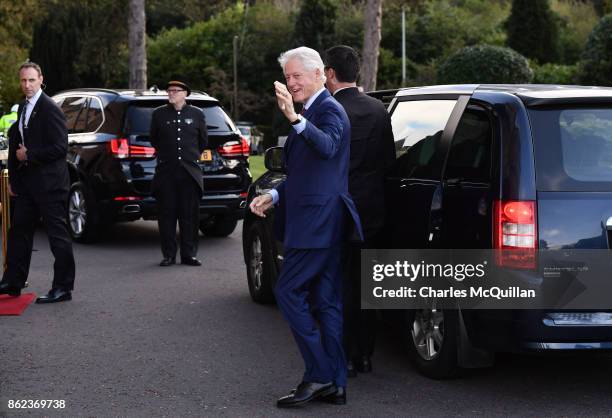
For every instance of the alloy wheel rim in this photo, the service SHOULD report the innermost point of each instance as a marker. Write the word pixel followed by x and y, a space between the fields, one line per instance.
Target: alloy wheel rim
pixel 428 332
pixel 77 212
pixel 256 262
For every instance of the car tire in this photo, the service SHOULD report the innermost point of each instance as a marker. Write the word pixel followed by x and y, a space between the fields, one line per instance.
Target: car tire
pixel 432 339
pixel 218 225
pixel 260 265
pixel 83 220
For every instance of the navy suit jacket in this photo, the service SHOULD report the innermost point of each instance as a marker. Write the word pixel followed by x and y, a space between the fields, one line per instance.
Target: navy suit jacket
pixel 314 207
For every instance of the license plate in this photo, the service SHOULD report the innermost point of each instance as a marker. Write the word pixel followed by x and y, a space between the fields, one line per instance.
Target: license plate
pixel 206 155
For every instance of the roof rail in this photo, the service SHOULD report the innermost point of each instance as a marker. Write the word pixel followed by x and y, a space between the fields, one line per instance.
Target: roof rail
pixel 90 89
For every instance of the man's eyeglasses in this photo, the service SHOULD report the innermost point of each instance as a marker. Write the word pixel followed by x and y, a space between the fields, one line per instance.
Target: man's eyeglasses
pixel 172 91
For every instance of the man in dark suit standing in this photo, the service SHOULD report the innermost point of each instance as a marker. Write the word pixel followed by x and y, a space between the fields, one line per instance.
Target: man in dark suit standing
pixel 179 135
pixel 39 183
pixel 314 208
pixel 372 153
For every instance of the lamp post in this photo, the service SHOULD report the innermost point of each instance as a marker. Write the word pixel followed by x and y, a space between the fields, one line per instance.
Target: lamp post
pixel 235 106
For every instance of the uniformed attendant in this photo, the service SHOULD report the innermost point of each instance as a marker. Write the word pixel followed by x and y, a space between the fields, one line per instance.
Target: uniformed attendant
pixel 178 133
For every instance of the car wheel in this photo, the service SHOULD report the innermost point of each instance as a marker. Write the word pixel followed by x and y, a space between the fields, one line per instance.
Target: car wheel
pixel 432 341
pixel 82 218
pixel 260 265
pixel 218 225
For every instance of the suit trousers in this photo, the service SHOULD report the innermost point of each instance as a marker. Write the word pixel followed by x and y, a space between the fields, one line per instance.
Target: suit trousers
pixel 309 290
pixel 178 198
pixel 27 211
pixel 359 324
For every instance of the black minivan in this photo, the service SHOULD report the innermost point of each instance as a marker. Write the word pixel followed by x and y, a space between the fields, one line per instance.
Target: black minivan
pixel 468 157
pixel 111 161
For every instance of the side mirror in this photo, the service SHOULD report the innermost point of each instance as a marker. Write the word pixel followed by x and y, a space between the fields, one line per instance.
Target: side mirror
pixel 275 159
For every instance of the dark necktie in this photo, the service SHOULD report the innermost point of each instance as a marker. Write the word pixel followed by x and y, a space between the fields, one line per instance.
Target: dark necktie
pixel 23 118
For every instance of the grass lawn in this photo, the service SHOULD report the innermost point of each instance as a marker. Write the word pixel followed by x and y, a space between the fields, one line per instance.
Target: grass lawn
pixel 257 166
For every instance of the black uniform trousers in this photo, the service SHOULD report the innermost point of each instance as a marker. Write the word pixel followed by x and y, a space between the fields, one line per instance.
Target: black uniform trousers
pixel 359 333
pixel 178 198
pixel 25 215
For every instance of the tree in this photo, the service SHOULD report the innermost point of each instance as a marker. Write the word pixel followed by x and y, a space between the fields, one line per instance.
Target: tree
pixel 485 64
pixel 533 30
pixel 203 53
pixel 73 50
pixel 596 65
pixel 315 24
pixel 137 45
pixel 16 20
pixel 371 44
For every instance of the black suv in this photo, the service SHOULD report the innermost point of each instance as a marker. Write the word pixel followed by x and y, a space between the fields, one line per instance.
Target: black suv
pixel 112 163
pixel 468 159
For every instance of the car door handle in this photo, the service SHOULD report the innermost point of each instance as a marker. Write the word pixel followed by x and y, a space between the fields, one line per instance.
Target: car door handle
pixel 454 181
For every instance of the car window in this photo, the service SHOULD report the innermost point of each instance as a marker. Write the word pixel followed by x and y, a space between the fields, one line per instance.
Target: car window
pixel 81 122
pixel 94 115
pixel 139 116
pixel 244 130
pixel 573 148
pixel 417 130
pixel 469 157
pixel 72 107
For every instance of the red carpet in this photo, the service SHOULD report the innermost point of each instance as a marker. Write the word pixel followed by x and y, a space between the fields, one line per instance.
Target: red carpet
pixel 10 305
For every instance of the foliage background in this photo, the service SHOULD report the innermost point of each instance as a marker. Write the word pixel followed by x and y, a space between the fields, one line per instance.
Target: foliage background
pixel 84 43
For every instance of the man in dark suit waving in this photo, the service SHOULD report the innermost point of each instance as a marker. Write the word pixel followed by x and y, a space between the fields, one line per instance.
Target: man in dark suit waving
pixel 372 153
pixel 39 182
pixel 314 208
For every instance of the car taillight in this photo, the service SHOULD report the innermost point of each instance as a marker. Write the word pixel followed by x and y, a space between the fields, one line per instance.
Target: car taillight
pixel 235 149
pixel 515 233
pixel 121 148
pixel 126 198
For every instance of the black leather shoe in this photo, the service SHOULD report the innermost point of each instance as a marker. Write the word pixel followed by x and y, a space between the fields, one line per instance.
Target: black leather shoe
pixel 306 392
pixel 55 295
pixel 351 371
pixel 167 262
pixel 338 398
pixel 191 261
pixel 364 365
pixel 6 289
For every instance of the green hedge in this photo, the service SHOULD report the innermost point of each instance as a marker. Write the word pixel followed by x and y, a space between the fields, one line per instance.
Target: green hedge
pixel 485 64
pixel 554 74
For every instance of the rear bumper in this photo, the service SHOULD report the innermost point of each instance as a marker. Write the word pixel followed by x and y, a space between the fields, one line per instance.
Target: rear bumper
pixel 534 330
pixel 146 208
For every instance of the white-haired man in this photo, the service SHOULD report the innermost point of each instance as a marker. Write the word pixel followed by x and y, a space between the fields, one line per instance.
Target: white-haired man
pixel 313 205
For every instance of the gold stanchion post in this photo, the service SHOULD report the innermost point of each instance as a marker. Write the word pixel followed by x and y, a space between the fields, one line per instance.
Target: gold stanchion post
pixel 6 213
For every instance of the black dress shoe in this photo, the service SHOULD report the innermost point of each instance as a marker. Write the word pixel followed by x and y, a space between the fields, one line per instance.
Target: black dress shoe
pixel 55 295
pixel 168 261
pixel 306 392
pixel 338 398
pixel 351 371
pixel 6 289
pixel 191 261
pixel 363 365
